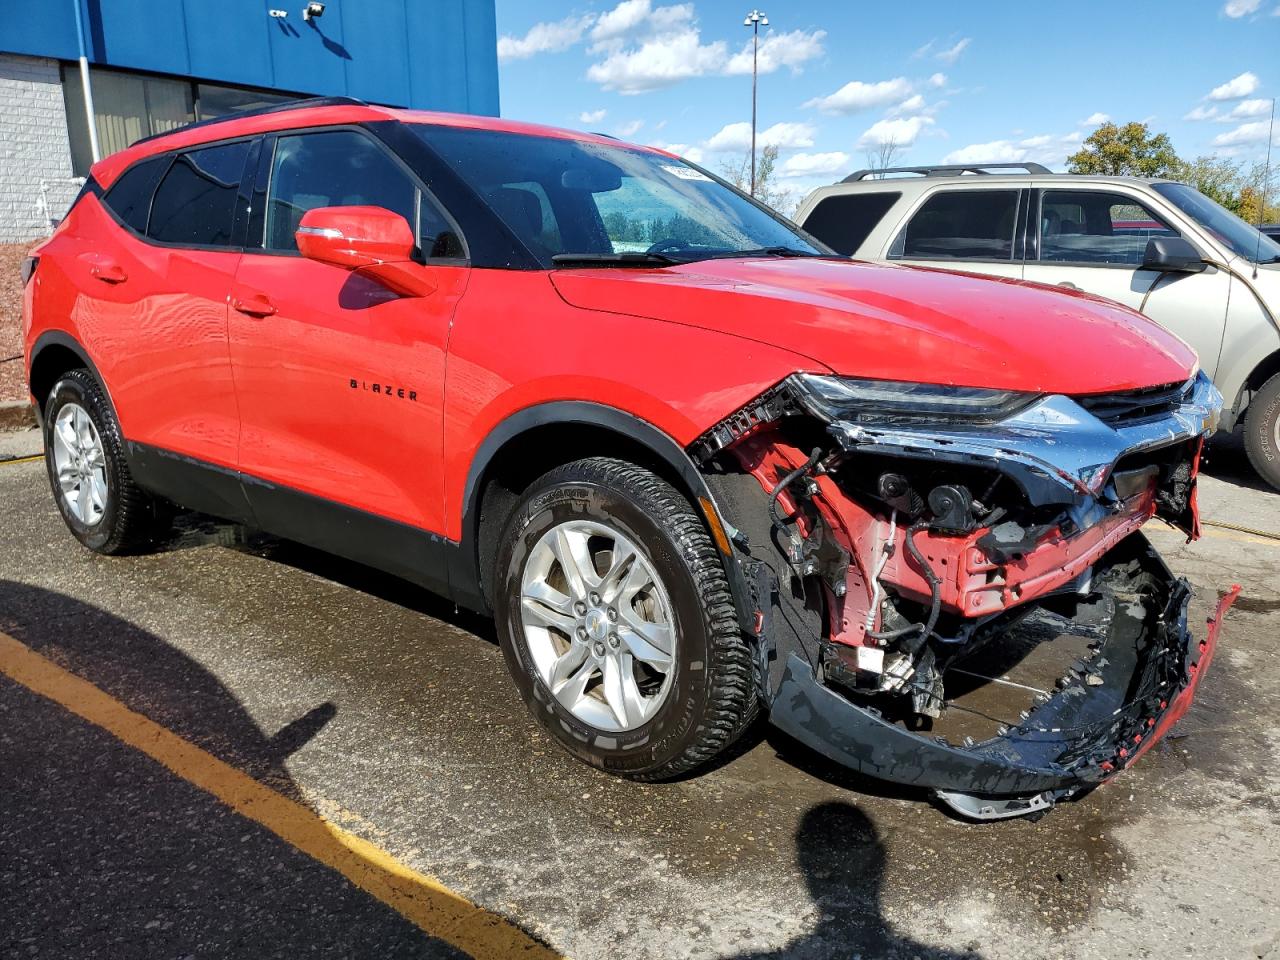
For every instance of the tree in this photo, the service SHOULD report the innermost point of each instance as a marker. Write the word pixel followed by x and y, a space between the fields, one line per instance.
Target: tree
pixel 883 154
pixel 768 192
pixel 1131 150
pixel 1215 177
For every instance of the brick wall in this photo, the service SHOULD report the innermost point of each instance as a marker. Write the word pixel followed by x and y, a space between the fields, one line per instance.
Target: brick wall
pixel 33 148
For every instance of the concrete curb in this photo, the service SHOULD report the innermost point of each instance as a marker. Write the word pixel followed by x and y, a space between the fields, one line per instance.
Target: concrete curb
pixel 16 415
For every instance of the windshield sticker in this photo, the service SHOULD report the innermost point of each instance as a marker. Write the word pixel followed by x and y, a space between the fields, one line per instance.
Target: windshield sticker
pixel 685 173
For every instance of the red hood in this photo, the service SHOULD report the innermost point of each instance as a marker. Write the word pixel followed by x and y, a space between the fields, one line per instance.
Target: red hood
pixel 902 323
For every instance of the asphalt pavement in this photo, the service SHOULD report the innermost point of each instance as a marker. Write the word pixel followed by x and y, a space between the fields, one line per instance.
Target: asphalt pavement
pixel 376 709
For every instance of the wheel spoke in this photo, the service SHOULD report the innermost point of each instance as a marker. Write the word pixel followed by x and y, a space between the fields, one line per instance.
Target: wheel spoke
pixel 82 502
pixel 649 642
pixel 65 434
pixel 570 549
pixel 98 491
pixel 621 568
pixel 573 688
pixel 566 666
pixel 621 692
pixel 547 616
pixel 67 479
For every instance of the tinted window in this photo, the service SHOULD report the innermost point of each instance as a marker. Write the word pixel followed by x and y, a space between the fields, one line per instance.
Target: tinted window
pixel 130 196
pixel 196 202
pixel 844 221
pixel 962 224
pixel 342 168
pixel 1238 236
pixel 560 195
pixel 1087 226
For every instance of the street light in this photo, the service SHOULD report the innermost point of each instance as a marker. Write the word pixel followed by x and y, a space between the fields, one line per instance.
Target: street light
pixel 754 19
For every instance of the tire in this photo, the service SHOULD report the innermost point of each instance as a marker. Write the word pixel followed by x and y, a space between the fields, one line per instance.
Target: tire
pixel 1262 431
pixel 612 506
pixel 116 516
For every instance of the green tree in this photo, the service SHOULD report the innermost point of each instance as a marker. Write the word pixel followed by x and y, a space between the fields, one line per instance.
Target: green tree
pixel 1129 150
pixel 768 192
pixel 1217 178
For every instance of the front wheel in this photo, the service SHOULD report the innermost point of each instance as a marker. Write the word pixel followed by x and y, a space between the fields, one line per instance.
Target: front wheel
pixel 616 620
pixel 1262 431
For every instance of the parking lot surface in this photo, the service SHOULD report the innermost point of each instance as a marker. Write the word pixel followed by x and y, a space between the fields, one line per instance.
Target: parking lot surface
pixel 382 712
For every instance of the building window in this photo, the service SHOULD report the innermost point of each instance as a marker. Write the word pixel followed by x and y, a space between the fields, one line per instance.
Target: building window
pixel 129 106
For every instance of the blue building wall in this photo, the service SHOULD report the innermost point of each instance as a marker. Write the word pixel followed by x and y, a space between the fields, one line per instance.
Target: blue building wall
pixel 430 54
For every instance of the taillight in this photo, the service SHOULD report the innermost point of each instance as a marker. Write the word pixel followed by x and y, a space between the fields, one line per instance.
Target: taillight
pixel 28 268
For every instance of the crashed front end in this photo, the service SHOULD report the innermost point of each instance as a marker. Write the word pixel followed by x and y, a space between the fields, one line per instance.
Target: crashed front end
pixel 896 541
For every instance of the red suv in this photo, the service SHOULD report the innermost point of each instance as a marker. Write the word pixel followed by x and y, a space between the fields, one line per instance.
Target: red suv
pixel 692 462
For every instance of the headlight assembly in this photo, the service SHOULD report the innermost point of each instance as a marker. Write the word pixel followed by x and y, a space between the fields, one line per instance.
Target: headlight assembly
pixel 890 401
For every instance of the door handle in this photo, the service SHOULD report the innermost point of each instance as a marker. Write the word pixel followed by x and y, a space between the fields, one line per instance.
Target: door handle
pixel 109 272
pixel 255 306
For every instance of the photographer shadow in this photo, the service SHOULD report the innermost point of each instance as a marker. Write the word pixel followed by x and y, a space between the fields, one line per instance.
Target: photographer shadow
pixel 842 857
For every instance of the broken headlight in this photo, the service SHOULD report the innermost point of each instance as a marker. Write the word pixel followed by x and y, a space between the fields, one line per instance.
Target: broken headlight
pixel 890 401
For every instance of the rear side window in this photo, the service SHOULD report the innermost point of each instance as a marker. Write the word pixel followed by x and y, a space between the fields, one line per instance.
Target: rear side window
pixel 961 225
pixel 342 168
pixel 195 204
pixel 130 196
pixel 844 221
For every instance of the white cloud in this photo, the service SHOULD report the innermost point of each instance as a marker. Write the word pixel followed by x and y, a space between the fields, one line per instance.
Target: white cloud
pixel 914 104
pixel 630 129
pixel 637 20
pixel 1246 133
pixel 856 95
pixel 952 54
pixel 1202 113
pixel 814 164
pixel 736 137
pixel 592 116
pixel 903 131
pixel 1236 88
pixel 1094 119
pixel 1235 9
pixel 938 80
pixel 692 154
pixel 658 63
pixel 778 50
pixel 1249 108
pixel 1050 149
pixel 544 38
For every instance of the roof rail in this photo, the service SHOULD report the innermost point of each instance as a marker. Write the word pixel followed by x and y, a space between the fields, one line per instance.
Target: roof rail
pixel 301 104
pixel 949 170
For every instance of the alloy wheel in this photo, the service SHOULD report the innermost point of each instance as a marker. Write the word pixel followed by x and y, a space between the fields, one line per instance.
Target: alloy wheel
pixel 80 463
pixel 598 623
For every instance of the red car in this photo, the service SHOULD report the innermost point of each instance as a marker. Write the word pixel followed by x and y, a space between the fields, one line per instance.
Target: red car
pixel 692 462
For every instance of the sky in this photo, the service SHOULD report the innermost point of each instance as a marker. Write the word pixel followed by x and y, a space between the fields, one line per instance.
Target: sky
pixel 1015 82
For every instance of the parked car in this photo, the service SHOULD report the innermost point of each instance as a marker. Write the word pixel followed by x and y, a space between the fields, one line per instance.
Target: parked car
pixel 1159 247
pixel 726 470
pixel 1272 230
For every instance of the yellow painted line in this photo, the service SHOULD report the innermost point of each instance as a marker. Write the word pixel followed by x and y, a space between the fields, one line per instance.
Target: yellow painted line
pixel 1212 533
pixel 15 460
pixel 421 899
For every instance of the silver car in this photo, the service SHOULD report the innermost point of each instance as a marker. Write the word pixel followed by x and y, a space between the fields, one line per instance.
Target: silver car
pixel 1160 247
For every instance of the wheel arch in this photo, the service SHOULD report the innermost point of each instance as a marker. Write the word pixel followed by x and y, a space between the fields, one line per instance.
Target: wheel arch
pixel 53 355
pixel 537 439
pixel 1264 370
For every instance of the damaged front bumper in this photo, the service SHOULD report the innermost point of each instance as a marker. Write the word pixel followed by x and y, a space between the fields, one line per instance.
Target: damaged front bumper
pixel 896 551
pixel 1141 678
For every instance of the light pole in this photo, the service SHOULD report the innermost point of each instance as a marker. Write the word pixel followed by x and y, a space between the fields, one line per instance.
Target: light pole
pixel 754 19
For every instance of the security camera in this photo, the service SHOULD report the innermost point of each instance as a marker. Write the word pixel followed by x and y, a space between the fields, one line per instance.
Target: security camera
pixel 313 10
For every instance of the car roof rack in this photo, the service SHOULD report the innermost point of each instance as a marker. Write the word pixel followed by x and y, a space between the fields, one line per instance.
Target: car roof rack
pixel 287 105
pixel 949 170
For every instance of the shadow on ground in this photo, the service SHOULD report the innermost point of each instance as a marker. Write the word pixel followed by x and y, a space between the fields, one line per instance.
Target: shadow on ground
pixel 843 860
pixel 106 853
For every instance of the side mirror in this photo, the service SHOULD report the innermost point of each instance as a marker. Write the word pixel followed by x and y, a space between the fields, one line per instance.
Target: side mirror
pixel 372 240
pixel 1172 255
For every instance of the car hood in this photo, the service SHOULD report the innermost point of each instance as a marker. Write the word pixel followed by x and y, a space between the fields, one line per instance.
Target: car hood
pixel 901 323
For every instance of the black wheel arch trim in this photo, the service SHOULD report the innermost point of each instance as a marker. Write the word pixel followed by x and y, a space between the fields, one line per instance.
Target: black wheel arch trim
pixel 59 338
pixel 470 591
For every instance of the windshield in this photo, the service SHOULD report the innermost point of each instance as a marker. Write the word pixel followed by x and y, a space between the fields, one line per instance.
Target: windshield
pixel 1227 228
pixel 574 199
